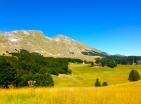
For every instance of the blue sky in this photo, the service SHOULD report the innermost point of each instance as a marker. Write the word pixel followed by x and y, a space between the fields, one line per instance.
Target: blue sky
pixel 113 26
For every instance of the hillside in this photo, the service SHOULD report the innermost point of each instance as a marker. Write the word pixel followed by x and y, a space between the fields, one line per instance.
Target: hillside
pixel 85 76
pixel 36 41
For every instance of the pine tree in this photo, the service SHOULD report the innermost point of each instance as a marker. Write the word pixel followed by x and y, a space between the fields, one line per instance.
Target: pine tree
pixel 97 83
pixel 134 76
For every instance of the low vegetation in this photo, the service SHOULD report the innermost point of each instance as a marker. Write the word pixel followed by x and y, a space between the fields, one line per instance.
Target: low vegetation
pixel 134 75
pixel 97 83
pixel 104 84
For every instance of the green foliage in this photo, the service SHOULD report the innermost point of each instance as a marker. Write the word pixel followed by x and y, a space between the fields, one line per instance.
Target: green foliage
pixel 7 72
pixel 111 64
pixel 125 60
pixel 102 61
pixel 23 66
pixel 43 80
pixel 91 64
pixel 97 83
pixel 134 76
pixel 106 62
pixel 104 84
pixel 113 60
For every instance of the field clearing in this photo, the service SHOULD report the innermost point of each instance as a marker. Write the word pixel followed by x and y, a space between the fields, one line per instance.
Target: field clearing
pixel 85 76
pixel 128 93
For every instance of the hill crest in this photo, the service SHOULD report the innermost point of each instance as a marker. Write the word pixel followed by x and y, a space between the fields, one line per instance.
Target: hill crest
pixel 37 41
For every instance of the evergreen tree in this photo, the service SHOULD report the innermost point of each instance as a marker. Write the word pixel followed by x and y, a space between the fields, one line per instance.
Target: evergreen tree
pixel 97 83
pixel 134 76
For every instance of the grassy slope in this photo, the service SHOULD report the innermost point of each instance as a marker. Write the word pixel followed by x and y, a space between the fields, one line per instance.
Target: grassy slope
pixel 84 75
pixel 125 93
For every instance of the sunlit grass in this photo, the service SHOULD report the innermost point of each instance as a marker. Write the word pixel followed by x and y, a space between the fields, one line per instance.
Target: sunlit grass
pixel 84 75
pixel 120 94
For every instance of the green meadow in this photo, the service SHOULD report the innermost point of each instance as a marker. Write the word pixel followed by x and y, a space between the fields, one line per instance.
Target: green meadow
pixel 84 76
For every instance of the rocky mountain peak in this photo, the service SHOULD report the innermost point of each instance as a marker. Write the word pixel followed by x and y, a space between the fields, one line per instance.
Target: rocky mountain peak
pixel 36 41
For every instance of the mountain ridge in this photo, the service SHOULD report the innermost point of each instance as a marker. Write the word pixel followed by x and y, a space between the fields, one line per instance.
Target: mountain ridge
pixel 37 41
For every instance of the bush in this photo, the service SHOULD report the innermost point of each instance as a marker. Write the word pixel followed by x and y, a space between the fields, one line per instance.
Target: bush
pixel 97 83
pixel 104 84
pixel 43 80
pixel 91 64
pixel 111 64
pixel 134 76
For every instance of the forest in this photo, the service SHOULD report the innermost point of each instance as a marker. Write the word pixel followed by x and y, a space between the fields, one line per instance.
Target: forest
pixel 22 68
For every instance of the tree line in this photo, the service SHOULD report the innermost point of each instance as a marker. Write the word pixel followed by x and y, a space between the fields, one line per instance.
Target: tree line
pixel 113 60
pixel 126 60
pixel 22 68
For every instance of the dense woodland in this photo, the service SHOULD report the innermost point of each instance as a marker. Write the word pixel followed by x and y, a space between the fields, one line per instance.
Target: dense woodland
pixel 23 68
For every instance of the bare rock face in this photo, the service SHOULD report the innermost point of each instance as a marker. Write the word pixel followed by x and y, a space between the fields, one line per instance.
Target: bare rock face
pixel 36 41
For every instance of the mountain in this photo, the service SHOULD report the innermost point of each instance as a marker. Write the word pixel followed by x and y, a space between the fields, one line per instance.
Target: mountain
pixel 36 41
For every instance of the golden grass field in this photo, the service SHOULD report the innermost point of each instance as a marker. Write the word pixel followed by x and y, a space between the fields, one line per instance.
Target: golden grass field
pixel 120 90
pixel 128 94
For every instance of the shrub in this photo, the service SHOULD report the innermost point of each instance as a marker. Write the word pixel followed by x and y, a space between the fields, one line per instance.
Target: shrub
pixel 91 64
pixel 97 83
pixel 111 64
pixel 44 80
pixel 134 76
pixel 104 84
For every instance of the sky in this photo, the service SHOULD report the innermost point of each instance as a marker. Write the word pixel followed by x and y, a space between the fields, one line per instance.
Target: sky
pixel 113 26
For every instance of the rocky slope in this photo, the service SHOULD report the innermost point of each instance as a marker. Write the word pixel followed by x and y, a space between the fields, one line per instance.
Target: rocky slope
pixel 36 41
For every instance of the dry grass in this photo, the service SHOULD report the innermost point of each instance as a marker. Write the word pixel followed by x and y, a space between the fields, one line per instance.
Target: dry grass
pixel 120 94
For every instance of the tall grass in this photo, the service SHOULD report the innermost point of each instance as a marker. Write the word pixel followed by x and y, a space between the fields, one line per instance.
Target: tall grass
pixel 82 95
